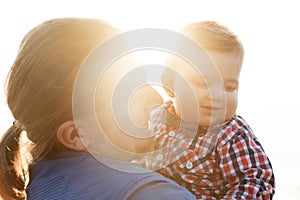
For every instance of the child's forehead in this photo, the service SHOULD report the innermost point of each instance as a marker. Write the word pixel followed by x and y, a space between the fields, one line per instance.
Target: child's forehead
pixel 185 67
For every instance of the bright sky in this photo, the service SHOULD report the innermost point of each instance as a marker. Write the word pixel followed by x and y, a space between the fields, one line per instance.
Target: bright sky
pixel 269 80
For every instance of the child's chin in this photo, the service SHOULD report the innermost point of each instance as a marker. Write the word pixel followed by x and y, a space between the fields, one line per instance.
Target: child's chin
pixel 210 122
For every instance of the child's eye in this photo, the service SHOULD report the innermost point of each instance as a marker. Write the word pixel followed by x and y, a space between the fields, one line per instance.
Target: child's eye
pixel 201 84
pixel 230 87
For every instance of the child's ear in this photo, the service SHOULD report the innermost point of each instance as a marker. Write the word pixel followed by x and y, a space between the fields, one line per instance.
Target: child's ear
pixel 67 135
pixel 168 84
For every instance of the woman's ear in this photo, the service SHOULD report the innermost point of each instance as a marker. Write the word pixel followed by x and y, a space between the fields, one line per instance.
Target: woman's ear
pixel 168 84
pixel 67 135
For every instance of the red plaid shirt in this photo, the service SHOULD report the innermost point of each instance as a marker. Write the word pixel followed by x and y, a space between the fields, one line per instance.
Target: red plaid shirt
pixel 226 163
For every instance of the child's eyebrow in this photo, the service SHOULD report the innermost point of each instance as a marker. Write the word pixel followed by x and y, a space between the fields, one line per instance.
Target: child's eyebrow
pixel 199 77
pixel 202 78
pixel 209 79
pixel 232 80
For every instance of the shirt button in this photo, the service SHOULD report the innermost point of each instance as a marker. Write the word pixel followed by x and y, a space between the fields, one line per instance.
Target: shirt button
pixel 172 133
pixel 147 163
pixel 189 165
pixel 159 157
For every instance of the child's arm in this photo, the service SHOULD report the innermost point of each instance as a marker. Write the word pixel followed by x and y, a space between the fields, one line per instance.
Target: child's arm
pixel 245 165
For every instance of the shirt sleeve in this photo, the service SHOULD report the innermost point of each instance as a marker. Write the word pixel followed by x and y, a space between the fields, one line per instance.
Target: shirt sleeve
pixel 245 166
pixel 169 143
pixel 169 146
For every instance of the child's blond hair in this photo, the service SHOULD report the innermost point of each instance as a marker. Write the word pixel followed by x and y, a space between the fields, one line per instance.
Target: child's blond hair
pixel 213 36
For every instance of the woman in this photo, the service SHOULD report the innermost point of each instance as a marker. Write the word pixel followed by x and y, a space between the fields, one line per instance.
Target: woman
pixel 56 164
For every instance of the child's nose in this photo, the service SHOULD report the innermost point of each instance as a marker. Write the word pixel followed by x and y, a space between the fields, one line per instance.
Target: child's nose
pixel 215 93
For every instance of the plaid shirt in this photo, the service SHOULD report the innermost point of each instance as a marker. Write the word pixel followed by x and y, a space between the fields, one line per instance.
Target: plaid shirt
pixel 226 162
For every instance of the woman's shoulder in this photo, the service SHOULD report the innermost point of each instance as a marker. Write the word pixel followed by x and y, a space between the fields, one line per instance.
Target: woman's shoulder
pixel 86 176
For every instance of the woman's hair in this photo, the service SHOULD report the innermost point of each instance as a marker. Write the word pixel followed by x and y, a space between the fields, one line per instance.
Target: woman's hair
pixel 39 92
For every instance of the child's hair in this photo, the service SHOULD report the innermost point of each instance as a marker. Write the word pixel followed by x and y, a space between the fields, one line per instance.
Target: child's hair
pixel 39 92
pixel 213 36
